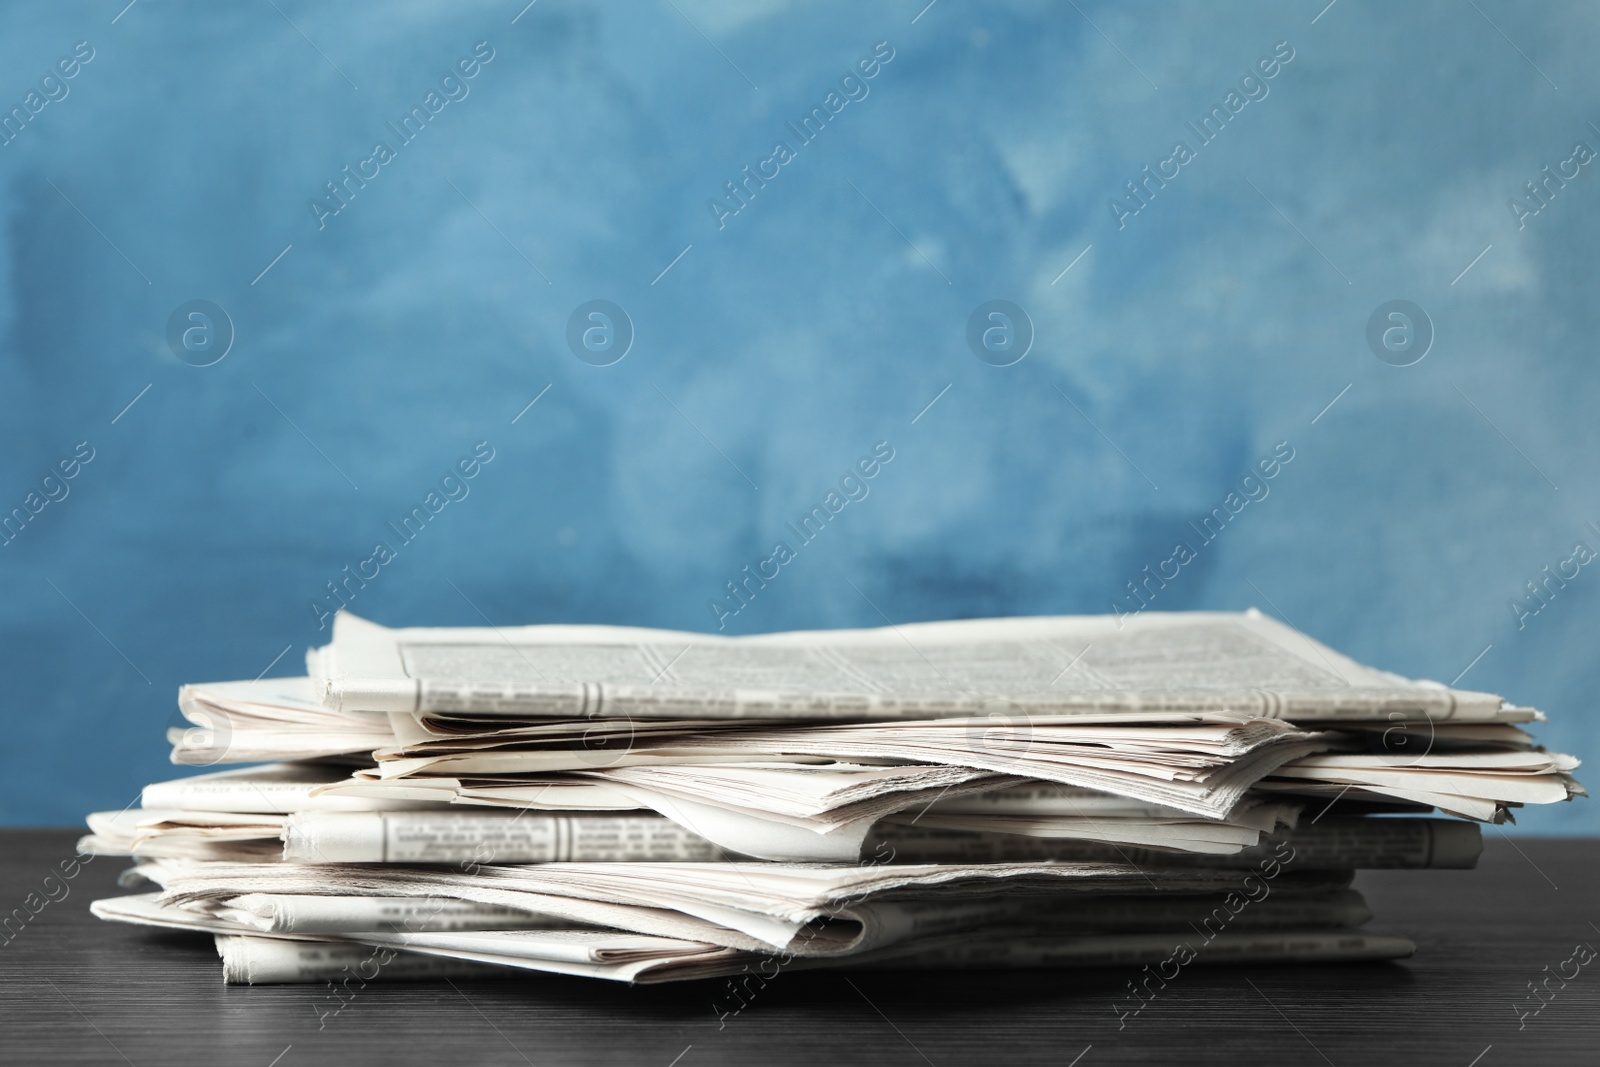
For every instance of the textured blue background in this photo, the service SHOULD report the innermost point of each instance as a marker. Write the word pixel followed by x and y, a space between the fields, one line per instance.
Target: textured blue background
pixel 777 350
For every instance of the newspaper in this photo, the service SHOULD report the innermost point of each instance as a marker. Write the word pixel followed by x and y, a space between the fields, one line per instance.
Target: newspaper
pixel 286 787
pixel 267 719
pixel 932 836
pixel 272 788
pixel 1285 947
pixel 288 913
pixel 1094 930
pixel 811 807
pixel 1490 768
pixel 649 806
pixel 1153 663
pixel 260 960
pixel 833 777
pixel 315 917
pixel 824 810
pixel 1400 843
pixel 1509 777
pixel 809 909
pixel 512 825
pixel 457 836
pixel 241 838
pixel 1201 764
pixel 253 960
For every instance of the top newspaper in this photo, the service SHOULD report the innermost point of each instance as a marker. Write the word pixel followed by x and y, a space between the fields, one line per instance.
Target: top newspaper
pixel 1134 668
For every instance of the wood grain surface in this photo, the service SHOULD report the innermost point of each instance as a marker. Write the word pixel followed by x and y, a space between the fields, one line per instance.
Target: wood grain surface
pixel 74 990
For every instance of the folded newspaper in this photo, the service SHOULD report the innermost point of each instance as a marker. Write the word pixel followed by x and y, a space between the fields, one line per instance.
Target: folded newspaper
pixel 646 806
pixel 1155 663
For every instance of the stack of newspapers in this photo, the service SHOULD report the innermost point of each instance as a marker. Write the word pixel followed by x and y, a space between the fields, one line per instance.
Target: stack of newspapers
pixel 649 806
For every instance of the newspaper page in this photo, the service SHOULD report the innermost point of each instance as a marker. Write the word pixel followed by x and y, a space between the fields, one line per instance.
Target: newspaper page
pixel 1156 663
pixel 254 960
pixel 499 837
pixel 1328 844
pixel 274 788
pixel 288 913
pixel 267 719
pixel 736 905
pixel 1313 924
pixel 1203 768
pixel 1022 950
pixel 258 960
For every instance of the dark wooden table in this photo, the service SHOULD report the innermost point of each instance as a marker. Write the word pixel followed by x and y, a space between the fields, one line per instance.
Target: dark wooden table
pixel 76 990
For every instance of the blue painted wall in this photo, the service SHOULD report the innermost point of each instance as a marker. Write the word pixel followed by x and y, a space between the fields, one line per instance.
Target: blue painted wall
pixel 375 345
